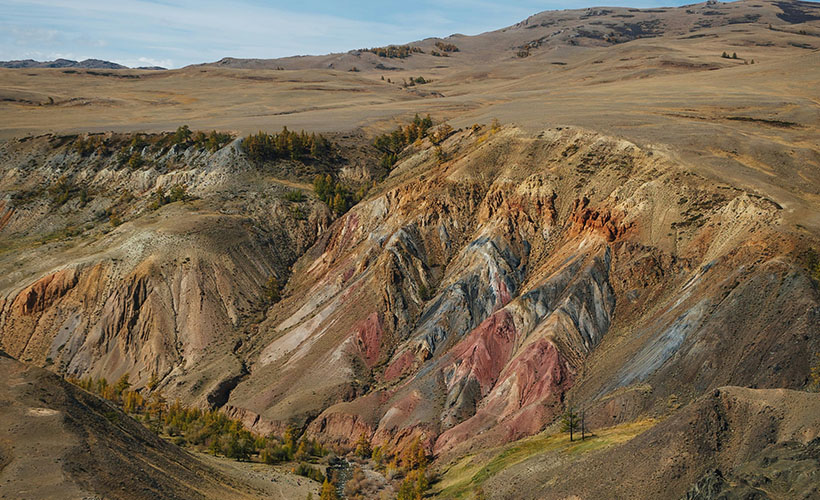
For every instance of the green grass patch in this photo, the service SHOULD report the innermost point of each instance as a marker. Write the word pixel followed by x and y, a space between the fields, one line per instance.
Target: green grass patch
pixel 295 196
pixel 468 474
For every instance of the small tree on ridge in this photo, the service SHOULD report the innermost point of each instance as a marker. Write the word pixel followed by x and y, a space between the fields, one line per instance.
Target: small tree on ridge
pixel 570 421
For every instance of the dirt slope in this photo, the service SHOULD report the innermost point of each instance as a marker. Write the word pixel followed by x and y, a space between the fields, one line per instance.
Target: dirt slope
pixel 59 442
pixel 735 442
pixel 732 443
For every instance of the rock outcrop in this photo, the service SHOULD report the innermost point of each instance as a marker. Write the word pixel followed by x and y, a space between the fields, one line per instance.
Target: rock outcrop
pixel 466 301
pixel 463 302
pixel 165 291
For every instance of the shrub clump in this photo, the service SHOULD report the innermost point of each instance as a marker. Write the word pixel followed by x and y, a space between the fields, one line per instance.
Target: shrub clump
pixel 392 143
pixel 61 191
pixel 394 51
pixel 418 80
pixel 309 472
pixel 185 138
pixel 86 146
pixel 338 197
pixel 412 464
pixel 296 146
pixel 179 192
pixel 205 430
pixel 446 47
pixel 295 196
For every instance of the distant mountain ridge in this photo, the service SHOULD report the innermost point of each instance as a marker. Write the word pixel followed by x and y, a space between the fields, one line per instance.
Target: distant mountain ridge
pixel 68 63
pixel 548 31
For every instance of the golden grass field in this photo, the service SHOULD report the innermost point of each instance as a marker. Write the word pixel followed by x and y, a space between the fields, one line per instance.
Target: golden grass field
pixel 751 125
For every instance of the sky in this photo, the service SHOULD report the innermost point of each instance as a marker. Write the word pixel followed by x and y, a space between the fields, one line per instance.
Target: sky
pixel 175 33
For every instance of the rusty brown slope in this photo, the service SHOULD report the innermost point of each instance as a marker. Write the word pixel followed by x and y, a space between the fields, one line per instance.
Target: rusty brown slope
pixel 468 300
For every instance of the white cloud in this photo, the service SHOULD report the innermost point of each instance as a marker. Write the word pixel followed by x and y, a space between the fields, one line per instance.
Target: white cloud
pixel 148 61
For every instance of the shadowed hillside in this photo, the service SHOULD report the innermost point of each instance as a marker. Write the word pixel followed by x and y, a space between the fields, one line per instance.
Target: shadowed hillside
pixel 58 441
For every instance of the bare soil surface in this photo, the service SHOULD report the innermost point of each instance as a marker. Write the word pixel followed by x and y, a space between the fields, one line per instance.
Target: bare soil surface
pixel 60 442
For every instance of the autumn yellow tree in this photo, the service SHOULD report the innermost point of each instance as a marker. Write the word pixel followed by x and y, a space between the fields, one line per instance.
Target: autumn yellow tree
pixel 363 449
pixel 815 373
pixel 328 491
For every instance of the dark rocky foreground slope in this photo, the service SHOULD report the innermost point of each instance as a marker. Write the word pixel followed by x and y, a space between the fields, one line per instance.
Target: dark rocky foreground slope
pixel 58 441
